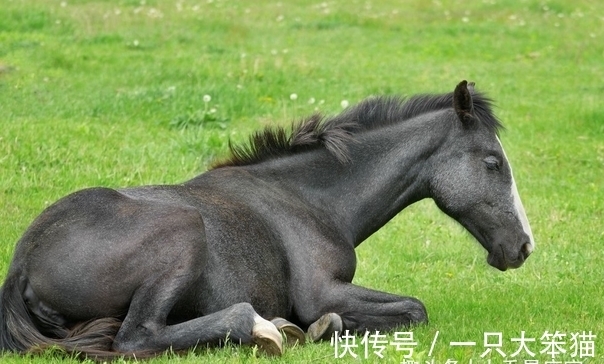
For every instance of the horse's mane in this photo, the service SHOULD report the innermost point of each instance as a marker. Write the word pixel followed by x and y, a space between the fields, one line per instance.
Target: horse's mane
pixel 336 132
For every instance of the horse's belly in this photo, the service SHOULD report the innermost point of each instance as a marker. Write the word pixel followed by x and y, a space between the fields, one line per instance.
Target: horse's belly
pixel 84 295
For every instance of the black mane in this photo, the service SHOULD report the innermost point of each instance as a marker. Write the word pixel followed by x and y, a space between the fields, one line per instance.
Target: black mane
pixel 336 132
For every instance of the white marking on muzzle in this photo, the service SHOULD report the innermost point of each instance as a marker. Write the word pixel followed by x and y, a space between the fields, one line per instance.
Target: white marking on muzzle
pixel 518 205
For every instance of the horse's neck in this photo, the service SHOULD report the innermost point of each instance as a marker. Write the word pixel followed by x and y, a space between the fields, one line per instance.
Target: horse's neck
pixel 386 173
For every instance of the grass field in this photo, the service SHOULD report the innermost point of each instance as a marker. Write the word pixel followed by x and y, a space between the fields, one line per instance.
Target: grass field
pixel 112 93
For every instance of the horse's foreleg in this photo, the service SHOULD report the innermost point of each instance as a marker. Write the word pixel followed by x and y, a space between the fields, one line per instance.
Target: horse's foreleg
pixel 238 324
pixel 358 309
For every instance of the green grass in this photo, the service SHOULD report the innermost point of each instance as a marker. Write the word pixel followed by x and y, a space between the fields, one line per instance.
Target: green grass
pixel 111 93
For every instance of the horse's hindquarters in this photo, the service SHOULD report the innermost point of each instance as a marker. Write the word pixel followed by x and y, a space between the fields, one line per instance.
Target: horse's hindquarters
pixel 97 247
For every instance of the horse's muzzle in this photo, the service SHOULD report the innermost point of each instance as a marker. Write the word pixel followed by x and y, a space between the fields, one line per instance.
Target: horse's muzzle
pixel 502 260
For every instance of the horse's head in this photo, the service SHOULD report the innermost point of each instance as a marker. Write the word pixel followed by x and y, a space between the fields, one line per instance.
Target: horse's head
pixel 473 183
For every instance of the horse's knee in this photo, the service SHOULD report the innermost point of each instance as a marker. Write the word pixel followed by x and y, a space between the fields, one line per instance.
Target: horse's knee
pixel 416 312
pixel 407 312
pixel 133 340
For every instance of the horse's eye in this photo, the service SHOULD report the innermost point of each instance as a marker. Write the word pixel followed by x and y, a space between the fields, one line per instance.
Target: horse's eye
pixel 492 163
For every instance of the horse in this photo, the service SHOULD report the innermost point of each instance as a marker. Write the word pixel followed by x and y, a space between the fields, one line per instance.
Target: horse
pixel 260 249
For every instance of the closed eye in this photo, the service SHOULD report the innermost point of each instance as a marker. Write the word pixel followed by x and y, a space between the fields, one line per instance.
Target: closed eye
pixel 492 163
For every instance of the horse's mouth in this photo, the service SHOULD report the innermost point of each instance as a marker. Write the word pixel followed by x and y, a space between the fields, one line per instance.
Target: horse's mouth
pixel 499 259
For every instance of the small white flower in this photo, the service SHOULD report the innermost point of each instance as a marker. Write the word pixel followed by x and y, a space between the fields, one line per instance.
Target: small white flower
pixel 207 98
pixel 311 100
pixel 344 104
pixel 63 4
pixel 293 97
pixel 154 13
pixel 135 43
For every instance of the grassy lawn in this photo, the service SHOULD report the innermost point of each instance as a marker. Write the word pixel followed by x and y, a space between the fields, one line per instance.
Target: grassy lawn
pixel 112 93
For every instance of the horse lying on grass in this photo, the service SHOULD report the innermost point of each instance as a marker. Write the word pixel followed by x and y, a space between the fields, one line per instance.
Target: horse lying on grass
pixel 268 234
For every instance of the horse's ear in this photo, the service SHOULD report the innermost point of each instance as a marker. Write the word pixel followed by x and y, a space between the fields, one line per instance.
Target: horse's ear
pixel 462 102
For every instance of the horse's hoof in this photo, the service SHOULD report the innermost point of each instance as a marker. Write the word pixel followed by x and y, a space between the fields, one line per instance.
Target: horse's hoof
pixel 293 334
pixel 267 337
pixel 324 327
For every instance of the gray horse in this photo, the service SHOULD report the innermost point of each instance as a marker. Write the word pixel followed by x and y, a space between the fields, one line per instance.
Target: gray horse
pixel 268 234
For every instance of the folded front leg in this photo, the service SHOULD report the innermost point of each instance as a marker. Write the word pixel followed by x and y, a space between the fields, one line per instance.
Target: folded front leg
pixel 359 309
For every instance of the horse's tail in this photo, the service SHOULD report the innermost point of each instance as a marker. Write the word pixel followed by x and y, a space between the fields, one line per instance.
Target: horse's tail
pixel 19 332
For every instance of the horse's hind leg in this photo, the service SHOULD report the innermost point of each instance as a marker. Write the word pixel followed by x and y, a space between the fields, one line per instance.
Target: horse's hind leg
pixel 144 328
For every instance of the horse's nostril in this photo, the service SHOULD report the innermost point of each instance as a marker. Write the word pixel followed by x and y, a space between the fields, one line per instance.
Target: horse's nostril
pixel 526 250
